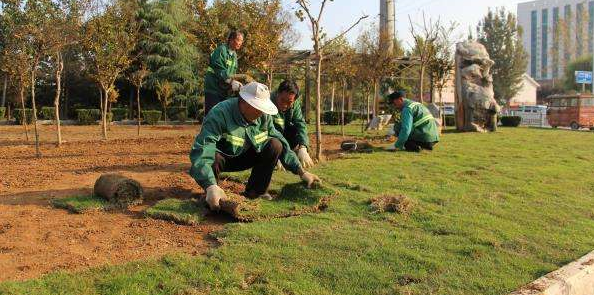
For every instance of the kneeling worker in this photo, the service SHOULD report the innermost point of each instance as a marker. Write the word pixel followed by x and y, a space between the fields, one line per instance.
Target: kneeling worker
pixel 238 134
pixel 417 129
pixel 289 120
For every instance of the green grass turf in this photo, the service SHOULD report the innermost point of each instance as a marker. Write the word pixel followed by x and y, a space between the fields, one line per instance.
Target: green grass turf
pixel 187 212
pixel 81 204
pixel 294 199
pixel 492 213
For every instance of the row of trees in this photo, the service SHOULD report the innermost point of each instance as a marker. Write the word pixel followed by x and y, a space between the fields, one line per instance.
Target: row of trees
pixel 156 51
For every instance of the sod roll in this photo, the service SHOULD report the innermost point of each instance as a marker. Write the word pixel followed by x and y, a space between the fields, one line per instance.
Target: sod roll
pixel 118 189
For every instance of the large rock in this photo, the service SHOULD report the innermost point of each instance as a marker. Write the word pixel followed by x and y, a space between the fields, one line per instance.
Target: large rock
pixel 476 108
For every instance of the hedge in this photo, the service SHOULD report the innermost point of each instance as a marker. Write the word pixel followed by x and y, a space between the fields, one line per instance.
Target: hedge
pixel 90 116
pixel 18 115
pixel 333 117
pixel 48 113
pixel 2 112
pixel 119 114
pixel 151 117
pixel 511 121
pixel 177 114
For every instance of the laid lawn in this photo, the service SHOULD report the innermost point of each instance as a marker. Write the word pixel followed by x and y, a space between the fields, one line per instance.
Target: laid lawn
pixel 490 212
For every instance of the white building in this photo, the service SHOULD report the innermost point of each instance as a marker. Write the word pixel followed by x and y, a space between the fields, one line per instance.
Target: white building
pixel 526 95
pixel 555 32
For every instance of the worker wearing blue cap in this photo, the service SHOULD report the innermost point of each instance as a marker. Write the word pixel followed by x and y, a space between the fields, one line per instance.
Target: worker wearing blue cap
pixel 417 129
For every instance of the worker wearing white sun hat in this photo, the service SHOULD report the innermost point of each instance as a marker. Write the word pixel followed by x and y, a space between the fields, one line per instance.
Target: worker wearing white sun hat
pixel 239 134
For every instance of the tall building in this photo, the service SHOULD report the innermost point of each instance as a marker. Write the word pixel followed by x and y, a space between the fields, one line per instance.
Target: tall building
pixel 555 32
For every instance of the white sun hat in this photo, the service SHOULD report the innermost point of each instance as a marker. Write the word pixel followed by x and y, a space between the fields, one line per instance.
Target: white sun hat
pixel 258 96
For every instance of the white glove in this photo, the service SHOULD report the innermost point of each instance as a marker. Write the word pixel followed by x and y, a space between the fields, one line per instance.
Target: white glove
pixel 279 166
pixel 213 195
pixel 310 179
pixel 235 85
pixel 304 157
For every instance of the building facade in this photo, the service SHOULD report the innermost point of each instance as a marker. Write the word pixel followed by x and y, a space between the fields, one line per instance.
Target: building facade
pixel 555 32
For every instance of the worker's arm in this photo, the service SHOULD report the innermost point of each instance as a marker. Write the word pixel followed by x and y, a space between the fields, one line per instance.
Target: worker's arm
pixel 300 124
pixel 203 152
pixel 288 158
pixel 218 63
pixel 406 124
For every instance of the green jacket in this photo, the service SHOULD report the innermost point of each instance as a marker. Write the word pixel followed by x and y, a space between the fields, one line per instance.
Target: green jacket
pixel 222 65
pixel 225 131
pixel 293 117
pixel 416 123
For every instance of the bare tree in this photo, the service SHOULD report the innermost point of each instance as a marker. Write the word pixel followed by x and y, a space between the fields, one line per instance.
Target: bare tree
pixel 425 36
pixel 138 79
pixel 318 35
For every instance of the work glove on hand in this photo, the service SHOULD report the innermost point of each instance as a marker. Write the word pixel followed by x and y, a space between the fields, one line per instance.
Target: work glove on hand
pixel 310 179
pixel 235 85
pixel 304 157
pixel 279 166
pixel 214 194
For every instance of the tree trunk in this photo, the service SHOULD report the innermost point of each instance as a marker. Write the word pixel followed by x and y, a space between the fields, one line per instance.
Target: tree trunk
pixel 368 110
pixel 60 67
pixel 3 102
pixel 342 108
pixel 138 108
pixel 421 78
pixel 24 115
pixel 37 152
pixel 332 97
pixel 375 99
pixel 319 104
pixel 307 99
pixel 104 112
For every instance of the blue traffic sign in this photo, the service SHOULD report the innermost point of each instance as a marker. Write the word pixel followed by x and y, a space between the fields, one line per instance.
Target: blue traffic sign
pixel 582 77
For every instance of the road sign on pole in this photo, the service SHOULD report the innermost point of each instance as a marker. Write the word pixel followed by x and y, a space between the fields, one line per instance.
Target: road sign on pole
pixel 583 77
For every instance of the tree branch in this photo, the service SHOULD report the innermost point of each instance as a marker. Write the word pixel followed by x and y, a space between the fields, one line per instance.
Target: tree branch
pixel 345 31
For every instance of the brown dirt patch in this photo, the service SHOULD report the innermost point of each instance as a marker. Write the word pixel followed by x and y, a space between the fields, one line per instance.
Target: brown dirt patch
pixel 397 204
pixel 36 239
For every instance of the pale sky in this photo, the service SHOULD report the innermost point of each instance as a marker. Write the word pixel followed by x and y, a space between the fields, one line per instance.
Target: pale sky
pixel 340 14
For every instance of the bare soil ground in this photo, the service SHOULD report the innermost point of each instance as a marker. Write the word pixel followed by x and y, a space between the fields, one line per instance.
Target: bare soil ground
pixel 36 239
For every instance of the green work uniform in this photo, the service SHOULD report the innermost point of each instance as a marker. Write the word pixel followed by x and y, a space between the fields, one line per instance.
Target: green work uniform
pixel 225 131
pixel 222 65
pixel 416 123
pixel 291 123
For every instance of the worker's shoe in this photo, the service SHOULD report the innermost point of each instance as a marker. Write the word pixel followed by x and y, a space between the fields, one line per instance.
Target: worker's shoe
pixel 253 195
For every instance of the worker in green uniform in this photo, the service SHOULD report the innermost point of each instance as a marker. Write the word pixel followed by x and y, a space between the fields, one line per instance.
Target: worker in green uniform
pixel 238 134
pixel 417 129
pixel 289 120
pixel 219 82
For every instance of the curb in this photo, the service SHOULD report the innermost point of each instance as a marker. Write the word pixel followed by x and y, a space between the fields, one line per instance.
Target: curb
pixel 576 278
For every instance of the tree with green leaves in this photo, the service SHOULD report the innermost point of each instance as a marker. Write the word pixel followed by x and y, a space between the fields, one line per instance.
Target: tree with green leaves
pixel 166 48
pixel 500 34
pixel 110 35
pixel 581 64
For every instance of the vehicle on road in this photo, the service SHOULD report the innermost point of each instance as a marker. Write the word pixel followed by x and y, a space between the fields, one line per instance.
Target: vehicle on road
pixel 574 111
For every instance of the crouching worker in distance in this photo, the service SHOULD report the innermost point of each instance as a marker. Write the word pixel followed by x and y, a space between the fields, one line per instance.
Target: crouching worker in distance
pixel 289 120
pixel 417 129
pixel 238 134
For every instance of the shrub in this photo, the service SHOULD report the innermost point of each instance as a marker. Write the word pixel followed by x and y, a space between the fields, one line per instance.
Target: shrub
pixel 151 117
pixel 177 114
pixel 450 120
pixel 2 112
pixel 511 121
pixel 333 117
pixel 48 113
pixel 119 114
pixel 18 115
pixel 88 116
